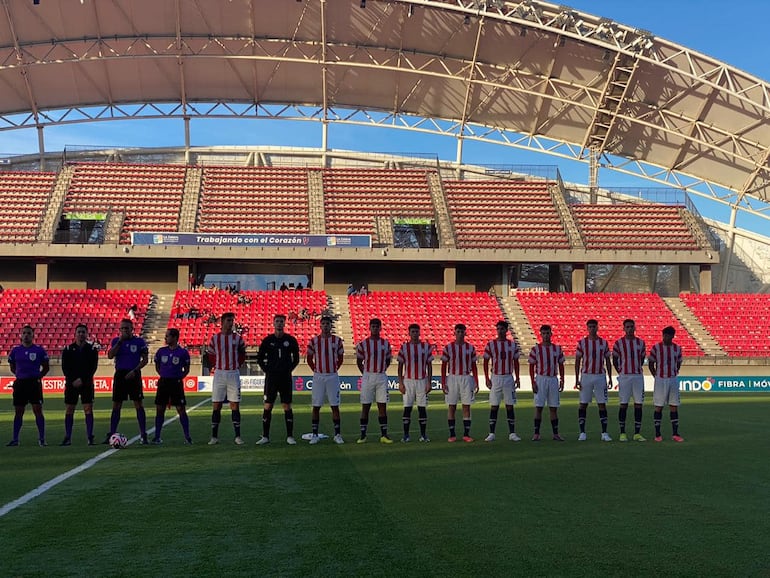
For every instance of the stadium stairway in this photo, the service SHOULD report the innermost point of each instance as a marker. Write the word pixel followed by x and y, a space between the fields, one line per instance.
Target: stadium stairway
pixel 188 214
pixel 54 210
pixel 444 222
pixel 559 196
pixel 156 322
pixel 315 197
pixel 693 325
pixel 525 336
pixel 343 325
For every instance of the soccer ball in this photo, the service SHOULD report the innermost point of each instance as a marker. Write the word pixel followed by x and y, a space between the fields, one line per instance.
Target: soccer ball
pixel 118 441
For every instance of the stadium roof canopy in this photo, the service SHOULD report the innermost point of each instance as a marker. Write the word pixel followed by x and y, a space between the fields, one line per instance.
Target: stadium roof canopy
pixel 519 73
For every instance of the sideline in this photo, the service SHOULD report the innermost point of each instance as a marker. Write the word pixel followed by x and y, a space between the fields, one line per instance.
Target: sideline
pixel 43 488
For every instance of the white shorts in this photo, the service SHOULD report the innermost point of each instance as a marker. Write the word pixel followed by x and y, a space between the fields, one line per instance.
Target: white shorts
pixel 374 387
pixel 666 391
pixel 415 391
pixel 503 388
pixel 325 385
pixel 593 385
pixel 547 391
pixel 460 388
pixel 226 385
pixel 631 385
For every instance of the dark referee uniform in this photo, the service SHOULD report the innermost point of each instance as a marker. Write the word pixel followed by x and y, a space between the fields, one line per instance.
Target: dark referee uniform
pixel 278 356
pixel 79 363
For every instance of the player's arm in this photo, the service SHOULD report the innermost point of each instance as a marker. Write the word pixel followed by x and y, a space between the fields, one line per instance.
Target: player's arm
pixel 532 376
pixel 578 358
pixel 443 376
pixel 45 366
pixel 429 375
pixel 340 356
pixel 561 376
pixel 113 351
pixel 241 352
pixel 516 373
pixel 360 358
pixel 652 364
pixel 486 372
pixel 401 386
pixel 475 373
pixel 294 353
pixel 310 359
pixel 186 364
pixel 608 365
pixel 262 354
pixel 94 362
pixel 156 359
pixel 12 365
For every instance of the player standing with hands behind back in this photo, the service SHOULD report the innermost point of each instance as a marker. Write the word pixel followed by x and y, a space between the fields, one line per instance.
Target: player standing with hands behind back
pixel 544 360
pixel 628 358
pixel 278 356
pixel 227 350
pixel 665 361
pixel 79 361
pixel 172 363
pixel 29 363
pixel 131 354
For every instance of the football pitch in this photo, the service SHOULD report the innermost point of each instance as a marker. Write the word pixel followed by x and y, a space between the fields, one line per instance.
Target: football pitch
pixel 438 509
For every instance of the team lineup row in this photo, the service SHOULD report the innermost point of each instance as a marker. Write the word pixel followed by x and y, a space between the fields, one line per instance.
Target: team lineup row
pixel 279 355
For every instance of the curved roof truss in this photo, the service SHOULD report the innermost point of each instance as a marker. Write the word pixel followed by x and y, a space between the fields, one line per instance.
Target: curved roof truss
pixel 524 74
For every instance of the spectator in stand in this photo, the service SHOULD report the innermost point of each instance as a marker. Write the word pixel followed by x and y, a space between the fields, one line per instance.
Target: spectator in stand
pixel 299 286
pixel 205 364
pixel 351 290
pixel 363 290
pixel 192 281
pixel 131 313
pixel 1 289
pixel 284 287
pixel 308 286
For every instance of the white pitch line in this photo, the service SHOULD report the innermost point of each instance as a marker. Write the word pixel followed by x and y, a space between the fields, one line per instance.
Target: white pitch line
pixel 43 488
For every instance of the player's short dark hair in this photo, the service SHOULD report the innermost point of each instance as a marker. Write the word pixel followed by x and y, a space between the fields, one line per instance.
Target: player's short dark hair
pixel 326 318
pixel 126 320
pixel 375 321
pixel 669 331
pixel 545 328
pixel 592 322
pixel 279 316
pixel 460 326
pixel 227 315
pixel 83 325
pixel 628 321
pixel 174 331
pixel 502 323
pixel 28 326
pixel 413 326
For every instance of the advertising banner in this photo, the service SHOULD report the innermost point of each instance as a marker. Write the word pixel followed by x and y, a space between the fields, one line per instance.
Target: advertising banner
pixel 55 385
pixel 724 383
pixel 251 240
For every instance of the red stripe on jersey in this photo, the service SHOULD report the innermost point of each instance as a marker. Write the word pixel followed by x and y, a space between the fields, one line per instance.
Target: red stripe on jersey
pixel 668 359
pixel 326 351
pixel 546 359
pixel 593 352
pixel 226 347
pixel 502 353
pixel 415 358
pixel 630 355
pixel 459 358
pixel 375 353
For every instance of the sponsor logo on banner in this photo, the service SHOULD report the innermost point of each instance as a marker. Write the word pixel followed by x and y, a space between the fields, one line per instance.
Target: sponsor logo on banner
pixel 725 383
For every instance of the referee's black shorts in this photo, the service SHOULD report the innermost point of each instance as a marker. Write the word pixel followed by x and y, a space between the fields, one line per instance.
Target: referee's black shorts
pixel 124 388
pixel 278 383
pixel 29 390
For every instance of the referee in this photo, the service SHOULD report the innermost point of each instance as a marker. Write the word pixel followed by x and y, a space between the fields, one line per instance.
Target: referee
pixel 79 361
pixel 278 355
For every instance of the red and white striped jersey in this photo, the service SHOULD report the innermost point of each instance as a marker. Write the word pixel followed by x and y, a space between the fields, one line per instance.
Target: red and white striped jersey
pixel 594 353
pixel 502 353
pixel 375 353
pixel 629 355
pixel 228 349
pixel 668 359
pixel 325 351
pixel 459 358
pixel 546 359
pixel 415 358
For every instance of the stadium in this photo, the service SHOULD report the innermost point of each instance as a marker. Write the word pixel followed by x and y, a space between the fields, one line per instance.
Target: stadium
pixel 436 236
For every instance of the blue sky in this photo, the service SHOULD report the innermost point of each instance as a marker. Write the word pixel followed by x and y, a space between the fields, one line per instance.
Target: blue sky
pixel 732 32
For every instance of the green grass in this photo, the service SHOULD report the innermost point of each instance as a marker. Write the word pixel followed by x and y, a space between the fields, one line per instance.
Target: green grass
pixel 503 509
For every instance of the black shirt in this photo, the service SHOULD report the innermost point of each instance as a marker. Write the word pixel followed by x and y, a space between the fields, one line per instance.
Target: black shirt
pixel 77 362
pixel 278 354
